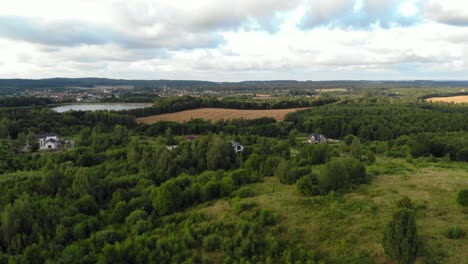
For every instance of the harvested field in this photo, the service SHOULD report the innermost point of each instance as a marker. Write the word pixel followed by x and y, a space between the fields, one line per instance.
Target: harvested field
pixel 451 99
pixel 324 90
pixel 215 114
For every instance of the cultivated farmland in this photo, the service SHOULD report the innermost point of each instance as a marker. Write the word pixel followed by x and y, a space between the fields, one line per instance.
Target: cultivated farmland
pixel 450 99
pixel 215 114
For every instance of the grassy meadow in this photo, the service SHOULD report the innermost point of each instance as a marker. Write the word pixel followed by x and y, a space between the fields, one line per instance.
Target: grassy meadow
pixel 348 228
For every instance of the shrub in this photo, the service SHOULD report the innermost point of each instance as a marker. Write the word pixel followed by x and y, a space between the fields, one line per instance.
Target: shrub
pixel 227 186
pixel 266 218
pixel 462 197
pixel 282 172
pixel 405 203
pixel 401 237
pixel 308 185
pixel 242 207
pixel 454 232
pixel 211 242
pixel 245 192
pixel 340 173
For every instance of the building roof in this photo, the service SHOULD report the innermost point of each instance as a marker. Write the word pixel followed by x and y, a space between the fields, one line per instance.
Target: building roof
pixel 51 140
pixel 45 135
pixel 235 144
pixel 192 137
pixel 316 136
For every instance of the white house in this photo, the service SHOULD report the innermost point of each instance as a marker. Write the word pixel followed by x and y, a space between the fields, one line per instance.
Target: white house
pixel 316 138
pixel 237 146
pixel 51 141
pixel 171 147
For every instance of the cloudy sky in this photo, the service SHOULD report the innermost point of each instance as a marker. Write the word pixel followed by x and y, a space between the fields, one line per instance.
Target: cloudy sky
pixel 237 40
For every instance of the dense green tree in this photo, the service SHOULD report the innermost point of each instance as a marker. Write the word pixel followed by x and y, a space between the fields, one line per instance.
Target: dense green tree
pixel 85 138
pixel 292 138
pixel 52 181
pixel 341 173
pixel 169 137
pixel 168 198
pixel 314 153
pixel 120 135
pixel 4 124
pixel 134 152
pixel 220 154
pixel 31 140
pixel 21 139
pixel 227 186
pixel 83 183
pixel 401 237
pixel 87 205
pixel 355 149
pixel 268 167
pixel 462 197
pixel 16 220
pixel 283 172
pixel 308 185
pixel 253 163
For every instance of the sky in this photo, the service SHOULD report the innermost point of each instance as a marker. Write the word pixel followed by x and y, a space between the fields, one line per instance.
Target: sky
pixel 220 40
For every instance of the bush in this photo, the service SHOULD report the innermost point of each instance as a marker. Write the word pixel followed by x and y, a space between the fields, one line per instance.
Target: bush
pixel 454 232
pixel 405 203
pixel 242 207
pixel 245 192
pixel 308 185
pixel 401 237
pixel 462 197
pixel 211 242
pixel 282 172
pixel 227 186
pixel 341 173
pixel 266 218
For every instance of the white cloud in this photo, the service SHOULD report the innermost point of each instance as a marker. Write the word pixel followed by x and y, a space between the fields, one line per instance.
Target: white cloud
pixel 212 40
pixel 451 12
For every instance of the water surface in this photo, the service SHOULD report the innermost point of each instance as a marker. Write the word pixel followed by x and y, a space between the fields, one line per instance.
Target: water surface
pixel 96 107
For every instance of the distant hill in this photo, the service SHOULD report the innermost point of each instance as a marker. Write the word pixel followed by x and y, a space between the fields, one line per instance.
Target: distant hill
pixel 54 83
pixel 91 82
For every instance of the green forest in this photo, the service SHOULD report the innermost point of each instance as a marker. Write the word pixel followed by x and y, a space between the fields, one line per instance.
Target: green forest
pixel 391 186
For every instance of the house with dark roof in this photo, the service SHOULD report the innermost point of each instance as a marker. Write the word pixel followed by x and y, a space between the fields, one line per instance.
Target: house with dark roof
pixel 191 137
pixel 315 138
pixel 51 141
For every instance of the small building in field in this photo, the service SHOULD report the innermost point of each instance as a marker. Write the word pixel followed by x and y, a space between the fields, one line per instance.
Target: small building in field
pixel 49 141
pixel 237 146
pixel 171 147
pixel 315 138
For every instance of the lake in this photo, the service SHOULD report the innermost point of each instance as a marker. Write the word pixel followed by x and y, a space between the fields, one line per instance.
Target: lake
pixel 96 107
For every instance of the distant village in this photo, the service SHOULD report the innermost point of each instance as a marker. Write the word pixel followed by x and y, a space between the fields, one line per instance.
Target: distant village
pixel 100 93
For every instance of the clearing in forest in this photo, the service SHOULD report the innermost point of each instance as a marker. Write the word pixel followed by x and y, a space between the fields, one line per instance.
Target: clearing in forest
pixel 215 114
pixel 459 99
pixel 351 226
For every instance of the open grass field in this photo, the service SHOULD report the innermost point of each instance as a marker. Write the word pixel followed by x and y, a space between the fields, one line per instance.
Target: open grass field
pixel 215 114
pixel 349 228
pixel 450 99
